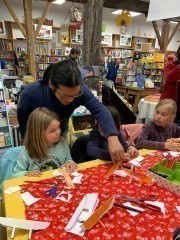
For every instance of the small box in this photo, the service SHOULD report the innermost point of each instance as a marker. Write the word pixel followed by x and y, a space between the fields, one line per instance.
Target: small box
pixel 83 122
pixel 172 180
pixel 146 47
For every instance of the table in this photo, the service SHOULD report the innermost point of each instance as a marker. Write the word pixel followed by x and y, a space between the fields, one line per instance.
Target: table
pixel 122 90
pixel 140 93
pixel 146 109
pixel 154 225
pixel 10 202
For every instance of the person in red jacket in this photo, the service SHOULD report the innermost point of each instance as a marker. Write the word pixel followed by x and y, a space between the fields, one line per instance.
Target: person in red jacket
pixel 172 83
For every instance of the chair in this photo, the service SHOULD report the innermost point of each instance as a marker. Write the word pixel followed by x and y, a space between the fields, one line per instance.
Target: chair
pixel 7 163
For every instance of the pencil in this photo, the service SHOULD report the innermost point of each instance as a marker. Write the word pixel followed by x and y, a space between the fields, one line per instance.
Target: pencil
pixel 128 208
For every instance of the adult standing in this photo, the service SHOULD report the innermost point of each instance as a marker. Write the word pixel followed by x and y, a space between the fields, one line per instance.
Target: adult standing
pixel 112 72
pixel 74 54
pixel 171 87
pixel 62 91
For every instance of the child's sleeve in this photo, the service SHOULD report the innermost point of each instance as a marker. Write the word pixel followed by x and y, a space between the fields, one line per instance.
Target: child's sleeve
pixel 68 157
pixel 21 166
pixel 144 142
pixel 94 150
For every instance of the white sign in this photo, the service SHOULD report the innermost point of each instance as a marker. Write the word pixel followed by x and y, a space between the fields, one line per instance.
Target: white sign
pixel 163 9
pixel 45 32
pixel 106 38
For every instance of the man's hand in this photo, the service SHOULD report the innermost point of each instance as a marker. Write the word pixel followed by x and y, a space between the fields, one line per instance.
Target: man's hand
pixel 115 149
pixel 33 173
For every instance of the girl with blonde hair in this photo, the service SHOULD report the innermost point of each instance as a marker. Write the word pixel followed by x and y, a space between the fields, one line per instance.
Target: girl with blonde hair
pixel 156 134
pixel 43 148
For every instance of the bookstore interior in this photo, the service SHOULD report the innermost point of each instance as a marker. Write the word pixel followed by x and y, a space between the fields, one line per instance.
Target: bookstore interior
pixel 132 51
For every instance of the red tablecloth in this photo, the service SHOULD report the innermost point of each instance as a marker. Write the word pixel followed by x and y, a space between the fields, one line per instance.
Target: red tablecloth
pixel 148 225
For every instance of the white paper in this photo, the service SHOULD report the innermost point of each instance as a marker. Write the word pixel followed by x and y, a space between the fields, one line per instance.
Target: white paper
pixel 120 173
pixel 135 162
pixel 174 154
pixel 158 204
pixel 28 198
pixel 76 174
pixel 12 189
pixel 82 213
pixel 139 158
pixel 77 177
pixel 178 208
pixel 57 173
pixel 128 204
pixel 65 198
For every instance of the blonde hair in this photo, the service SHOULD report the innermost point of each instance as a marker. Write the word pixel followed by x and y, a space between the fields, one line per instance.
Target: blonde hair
pixel 38 122
pixel 171 105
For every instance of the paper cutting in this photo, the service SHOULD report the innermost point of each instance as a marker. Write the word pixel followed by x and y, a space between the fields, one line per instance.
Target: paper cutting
pixel 98 214
pixel 67 178
pixel 23 224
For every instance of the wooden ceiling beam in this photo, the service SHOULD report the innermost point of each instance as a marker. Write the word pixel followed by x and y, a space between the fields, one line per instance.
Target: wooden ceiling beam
pixel 48 5
pixel 130 5
pixel 15 17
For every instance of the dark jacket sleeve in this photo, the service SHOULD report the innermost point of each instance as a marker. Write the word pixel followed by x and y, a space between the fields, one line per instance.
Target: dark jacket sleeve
pixel 100 112
pixel 144 142
pixel 23 111
pixel 122 141
pixel 94 150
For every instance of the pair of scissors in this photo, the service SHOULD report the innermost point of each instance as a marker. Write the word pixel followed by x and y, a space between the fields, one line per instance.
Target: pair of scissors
pixel 53 191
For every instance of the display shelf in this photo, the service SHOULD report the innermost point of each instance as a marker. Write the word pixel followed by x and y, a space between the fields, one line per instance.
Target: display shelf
pixel 5 132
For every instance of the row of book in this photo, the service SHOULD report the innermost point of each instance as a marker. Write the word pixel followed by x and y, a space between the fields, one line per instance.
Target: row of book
pixel 4 45
pixel 117 53
pixel 6 55
pixel 46 21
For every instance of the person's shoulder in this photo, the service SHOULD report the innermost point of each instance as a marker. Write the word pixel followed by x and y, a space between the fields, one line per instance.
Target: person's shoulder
pixel 149 125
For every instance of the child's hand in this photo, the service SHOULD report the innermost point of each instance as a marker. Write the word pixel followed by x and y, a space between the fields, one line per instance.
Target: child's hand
pixel 70 166
pixel 33 173
pixel 173 146
pixel 126 157
pixel 132 151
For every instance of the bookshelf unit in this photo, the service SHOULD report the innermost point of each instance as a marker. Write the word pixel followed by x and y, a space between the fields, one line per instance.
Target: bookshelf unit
pixel 5 132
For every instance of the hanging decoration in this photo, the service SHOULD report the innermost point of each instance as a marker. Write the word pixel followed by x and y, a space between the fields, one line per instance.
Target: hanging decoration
pixel 75 14
pixel 123 20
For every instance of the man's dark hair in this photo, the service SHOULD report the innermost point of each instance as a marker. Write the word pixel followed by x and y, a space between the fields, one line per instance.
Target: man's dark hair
pixel 75 51
pixel 115 115
pixel 65 73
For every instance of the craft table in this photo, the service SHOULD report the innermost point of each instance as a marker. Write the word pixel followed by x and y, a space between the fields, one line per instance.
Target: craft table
pixel 140 93
pixel 119 225
pixel 146 110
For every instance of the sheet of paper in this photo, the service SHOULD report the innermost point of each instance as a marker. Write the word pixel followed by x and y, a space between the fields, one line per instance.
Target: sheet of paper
pixel 77 177
pixel 120 173
pixel 28 198
pixel 82 212
pixel 57 172
pixel 158 204
pixel 128 204
pixel 12 189
pixel 139 158
pixel 178 208
pixel 174 154
pixel 135 162
pixel 64 196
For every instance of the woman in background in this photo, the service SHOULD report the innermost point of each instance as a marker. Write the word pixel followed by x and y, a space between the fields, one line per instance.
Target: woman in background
pixel 172 83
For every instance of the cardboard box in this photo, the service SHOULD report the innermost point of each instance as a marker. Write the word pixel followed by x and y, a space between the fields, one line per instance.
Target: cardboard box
pixel 146 47
pixel 83 122
pixel 172 180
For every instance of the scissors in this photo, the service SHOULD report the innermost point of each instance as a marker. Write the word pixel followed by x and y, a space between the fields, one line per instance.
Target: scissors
pixel 53 191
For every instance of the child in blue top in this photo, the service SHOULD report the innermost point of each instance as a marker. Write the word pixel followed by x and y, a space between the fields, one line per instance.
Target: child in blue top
pixel 43 148
pixel 98 145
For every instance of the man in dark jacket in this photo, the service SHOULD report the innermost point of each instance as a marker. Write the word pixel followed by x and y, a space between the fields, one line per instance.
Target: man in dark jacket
pixel 74 54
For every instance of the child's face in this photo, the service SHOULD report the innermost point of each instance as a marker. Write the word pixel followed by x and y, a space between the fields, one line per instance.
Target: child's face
pixel 52 133
pixel 163 116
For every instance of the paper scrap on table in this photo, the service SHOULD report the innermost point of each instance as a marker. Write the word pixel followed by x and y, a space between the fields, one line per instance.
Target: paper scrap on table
pixel 64 196
pixel 128 204
pixel 77 177
pixel 28 198
pixel 178 208
pixel 12 189
pixel 120 173
pixel 174 154
pixel 135 163
pixel 83 212
pixel 158 204
pixel 57 173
